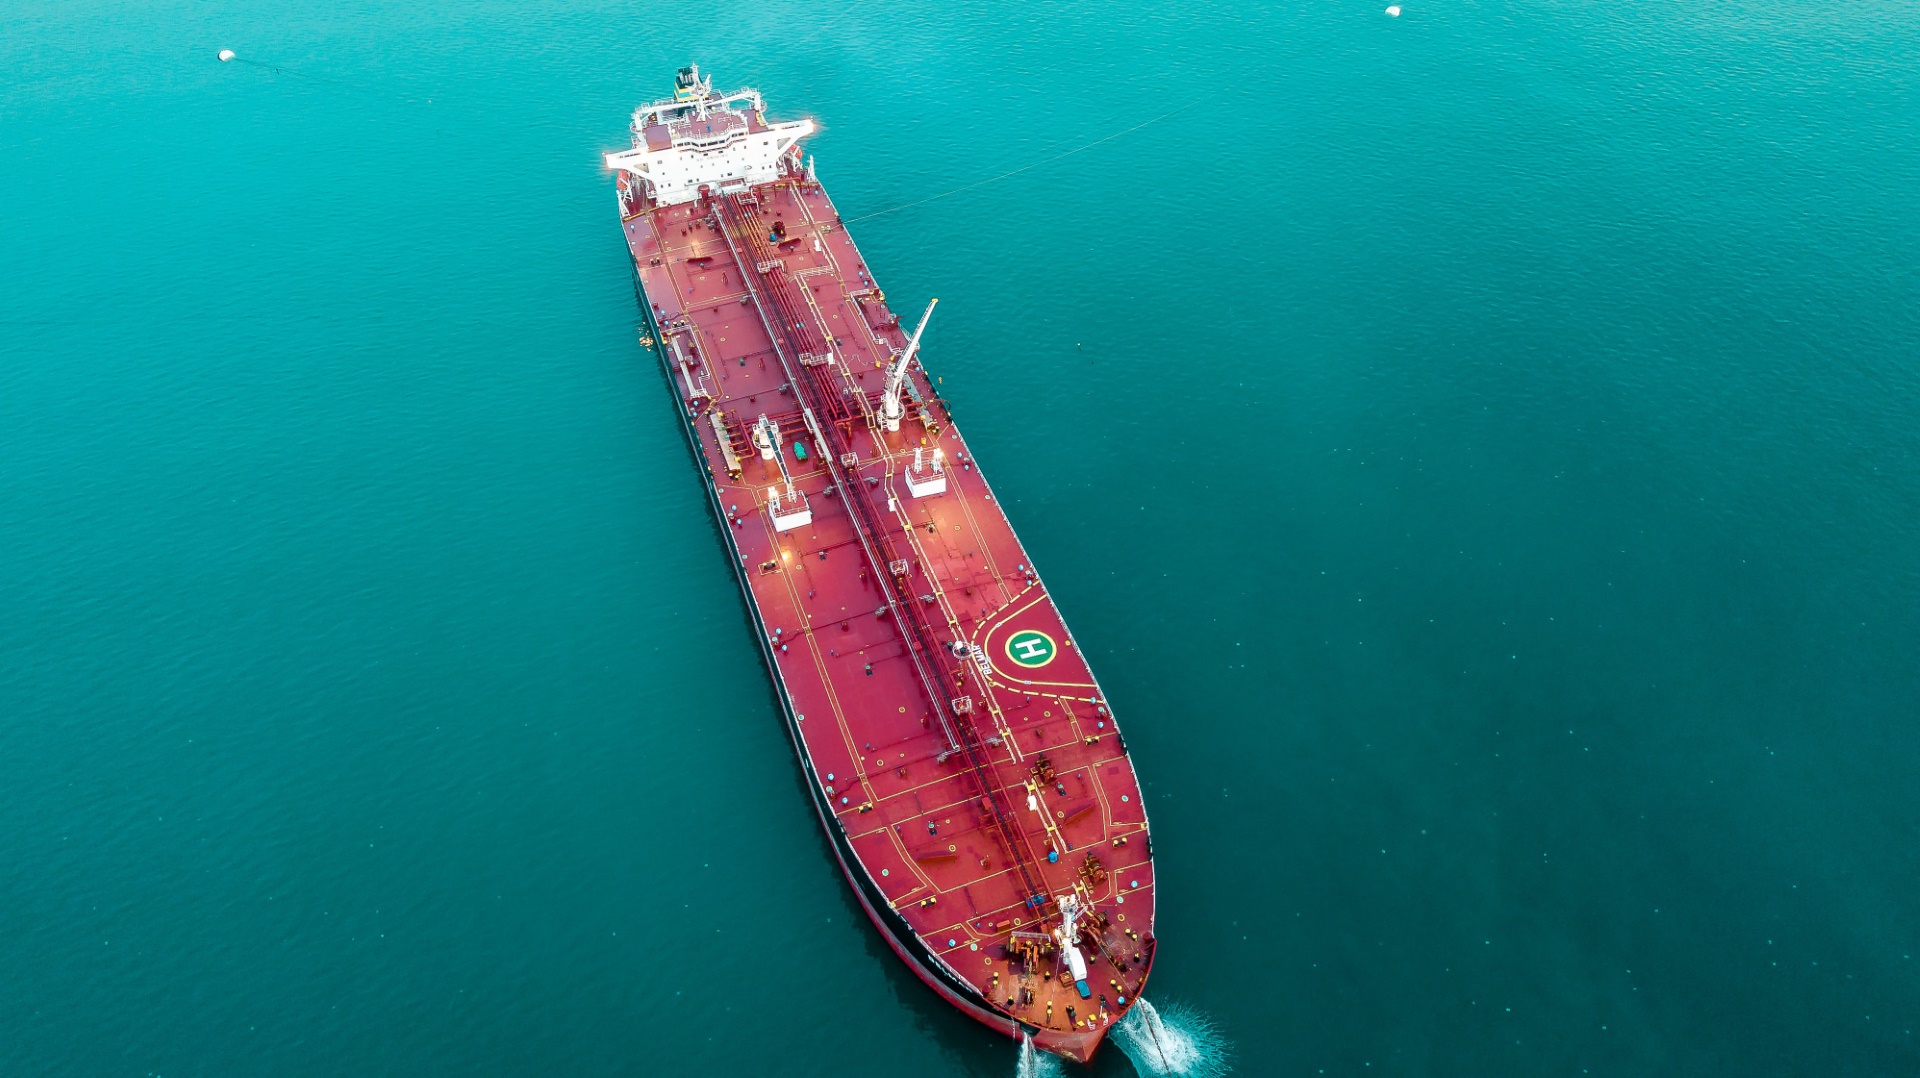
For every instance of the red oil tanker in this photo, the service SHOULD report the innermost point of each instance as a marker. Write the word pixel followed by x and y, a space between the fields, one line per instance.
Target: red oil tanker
pixel 965 764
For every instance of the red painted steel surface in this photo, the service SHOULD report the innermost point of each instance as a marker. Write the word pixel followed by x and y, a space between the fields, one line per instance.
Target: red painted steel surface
pixel 945 777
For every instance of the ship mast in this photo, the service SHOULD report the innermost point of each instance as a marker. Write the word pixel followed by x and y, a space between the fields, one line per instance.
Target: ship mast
pixel 890 407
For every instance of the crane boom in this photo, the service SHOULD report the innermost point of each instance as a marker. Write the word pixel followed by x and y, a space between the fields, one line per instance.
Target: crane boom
pixel 890 408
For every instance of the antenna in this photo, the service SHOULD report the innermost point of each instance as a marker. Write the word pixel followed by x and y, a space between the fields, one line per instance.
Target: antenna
pixel 890 409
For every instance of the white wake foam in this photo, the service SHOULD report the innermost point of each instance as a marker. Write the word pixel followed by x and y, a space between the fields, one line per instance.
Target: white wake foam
pixel 1035 1063
pixel 1176 1041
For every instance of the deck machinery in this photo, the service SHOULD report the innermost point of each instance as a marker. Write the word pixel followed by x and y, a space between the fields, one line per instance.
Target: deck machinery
pixel 966 767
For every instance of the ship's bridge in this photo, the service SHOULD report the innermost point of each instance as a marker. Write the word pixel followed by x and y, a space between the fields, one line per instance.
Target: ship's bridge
pixel 699 138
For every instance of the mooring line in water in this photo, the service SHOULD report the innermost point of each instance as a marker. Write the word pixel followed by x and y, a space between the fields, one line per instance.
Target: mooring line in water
pixel 825 26
pixel 1180 1044
pixel 1022 168
pixel 1165 1063
pixel 228 56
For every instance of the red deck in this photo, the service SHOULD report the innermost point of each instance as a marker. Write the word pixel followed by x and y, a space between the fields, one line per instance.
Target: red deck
pixel 860 611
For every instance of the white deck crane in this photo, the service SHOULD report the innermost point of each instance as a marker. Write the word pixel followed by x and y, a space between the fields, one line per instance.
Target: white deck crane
pixel 890 407
pixel 766 438
pixel 1068 935
pixel 787 507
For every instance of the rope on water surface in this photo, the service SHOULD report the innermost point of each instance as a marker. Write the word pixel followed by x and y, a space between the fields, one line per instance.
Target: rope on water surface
pixel 1023 168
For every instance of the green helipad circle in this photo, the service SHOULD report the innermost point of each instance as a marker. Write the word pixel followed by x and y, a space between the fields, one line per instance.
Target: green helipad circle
pixel 1031 648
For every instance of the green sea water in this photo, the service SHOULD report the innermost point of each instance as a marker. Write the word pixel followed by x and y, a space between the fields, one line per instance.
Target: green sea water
pixel 1481 449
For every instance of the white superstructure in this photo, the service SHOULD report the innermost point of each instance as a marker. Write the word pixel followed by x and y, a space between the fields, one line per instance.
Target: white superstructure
pixel 703 139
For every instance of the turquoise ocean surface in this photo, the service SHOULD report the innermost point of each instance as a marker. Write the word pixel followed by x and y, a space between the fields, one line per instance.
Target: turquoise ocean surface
pixel 1482 448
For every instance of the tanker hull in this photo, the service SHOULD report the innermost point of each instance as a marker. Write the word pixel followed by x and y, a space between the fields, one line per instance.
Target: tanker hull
pixel 966 768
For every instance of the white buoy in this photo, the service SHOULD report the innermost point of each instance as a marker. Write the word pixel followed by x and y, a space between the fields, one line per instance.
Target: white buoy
pixel 227 54
pixel 1394 11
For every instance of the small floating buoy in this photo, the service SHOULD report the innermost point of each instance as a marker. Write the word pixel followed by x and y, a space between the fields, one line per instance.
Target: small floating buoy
pixel 1394 11
pixel 225 55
